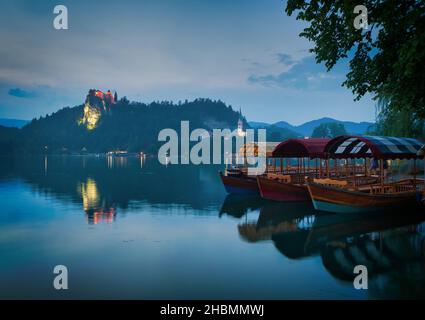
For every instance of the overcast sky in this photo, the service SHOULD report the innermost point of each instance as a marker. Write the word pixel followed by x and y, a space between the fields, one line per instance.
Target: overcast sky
pixel 244 52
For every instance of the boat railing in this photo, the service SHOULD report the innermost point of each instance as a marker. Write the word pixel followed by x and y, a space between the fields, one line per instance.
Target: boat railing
pixel 359 181
pixel 290 170
pixel 407 185
pixel 332 182
pixel 294 178
pixel 280 177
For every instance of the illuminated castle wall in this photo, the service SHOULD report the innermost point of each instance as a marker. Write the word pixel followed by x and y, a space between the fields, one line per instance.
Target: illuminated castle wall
pixel 96 103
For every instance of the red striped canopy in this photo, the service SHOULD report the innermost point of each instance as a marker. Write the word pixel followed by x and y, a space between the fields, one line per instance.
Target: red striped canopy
pixel 308 148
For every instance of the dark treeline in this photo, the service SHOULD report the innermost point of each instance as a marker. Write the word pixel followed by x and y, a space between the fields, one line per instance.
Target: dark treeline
pixel 130 126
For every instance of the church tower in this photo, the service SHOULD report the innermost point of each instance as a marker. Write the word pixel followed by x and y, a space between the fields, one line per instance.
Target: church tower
pixel 240 131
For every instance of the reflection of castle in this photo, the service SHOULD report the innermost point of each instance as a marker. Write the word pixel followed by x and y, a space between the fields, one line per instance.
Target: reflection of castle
pixel 101 215
pixel 96 210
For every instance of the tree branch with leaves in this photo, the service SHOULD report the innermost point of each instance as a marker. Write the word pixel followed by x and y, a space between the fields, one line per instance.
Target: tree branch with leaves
pixel 386 60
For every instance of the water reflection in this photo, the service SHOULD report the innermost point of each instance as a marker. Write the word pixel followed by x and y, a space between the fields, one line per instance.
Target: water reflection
pixel 237 205
pixel 102 190
pixel 119 161
pixel 391 246
pixel 106 186
pixel 276 218
pixel 97 208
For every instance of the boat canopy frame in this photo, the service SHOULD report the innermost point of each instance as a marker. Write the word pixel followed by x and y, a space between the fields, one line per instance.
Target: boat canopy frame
pixel 253 149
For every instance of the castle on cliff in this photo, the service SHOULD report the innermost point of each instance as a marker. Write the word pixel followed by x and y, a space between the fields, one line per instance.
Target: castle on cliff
pixel 97 102
pixel 106 100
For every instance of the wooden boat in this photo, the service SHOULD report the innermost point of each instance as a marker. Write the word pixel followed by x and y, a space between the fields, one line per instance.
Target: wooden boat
pixel 421 155
pixel 239 183
pixel 280 188
pixel 339 195
pixel 236 180
pixel 287 182
pixel 332 198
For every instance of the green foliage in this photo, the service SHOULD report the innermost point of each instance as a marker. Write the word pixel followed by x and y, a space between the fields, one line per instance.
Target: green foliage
pixel 329 130
pixel 387 60
pixel 397 123
pixel 8 137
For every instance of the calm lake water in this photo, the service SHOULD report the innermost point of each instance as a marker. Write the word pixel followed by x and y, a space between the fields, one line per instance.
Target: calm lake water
pixel 127 228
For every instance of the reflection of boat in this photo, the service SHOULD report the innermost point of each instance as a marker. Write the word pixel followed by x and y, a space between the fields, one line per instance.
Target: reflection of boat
pixel 338 230
pixel 239 205
pixel 378 240
pixel 276 218
pixel 381 252
pixel 342 196
pixel 328 228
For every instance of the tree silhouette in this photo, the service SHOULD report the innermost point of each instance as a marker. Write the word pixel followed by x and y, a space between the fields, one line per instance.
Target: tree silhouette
pixel 329 130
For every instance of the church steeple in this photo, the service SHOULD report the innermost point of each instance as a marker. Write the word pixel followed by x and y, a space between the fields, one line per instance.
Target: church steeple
pixel 240 130
pixel 240 124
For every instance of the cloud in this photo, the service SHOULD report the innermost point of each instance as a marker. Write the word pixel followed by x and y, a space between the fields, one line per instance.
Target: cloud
pixel 21 93
pixel 188 55
pixel 285 59
pixel 304 74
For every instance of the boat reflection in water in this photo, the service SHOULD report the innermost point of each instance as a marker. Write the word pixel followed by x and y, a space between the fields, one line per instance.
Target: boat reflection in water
pixel 391 246
pixel 275 219
pixel 238 206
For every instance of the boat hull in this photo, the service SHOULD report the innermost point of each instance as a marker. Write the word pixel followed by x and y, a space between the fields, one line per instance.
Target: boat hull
pixel 242 184
pixel 338 200
pixel 281 191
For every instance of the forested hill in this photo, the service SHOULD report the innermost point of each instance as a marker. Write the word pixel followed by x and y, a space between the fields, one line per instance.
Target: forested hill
pixel 123 125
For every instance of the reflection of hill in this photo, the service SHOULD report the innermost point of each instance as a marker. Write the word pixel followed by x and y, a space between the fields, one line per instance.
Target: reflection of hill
pixel 97 183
